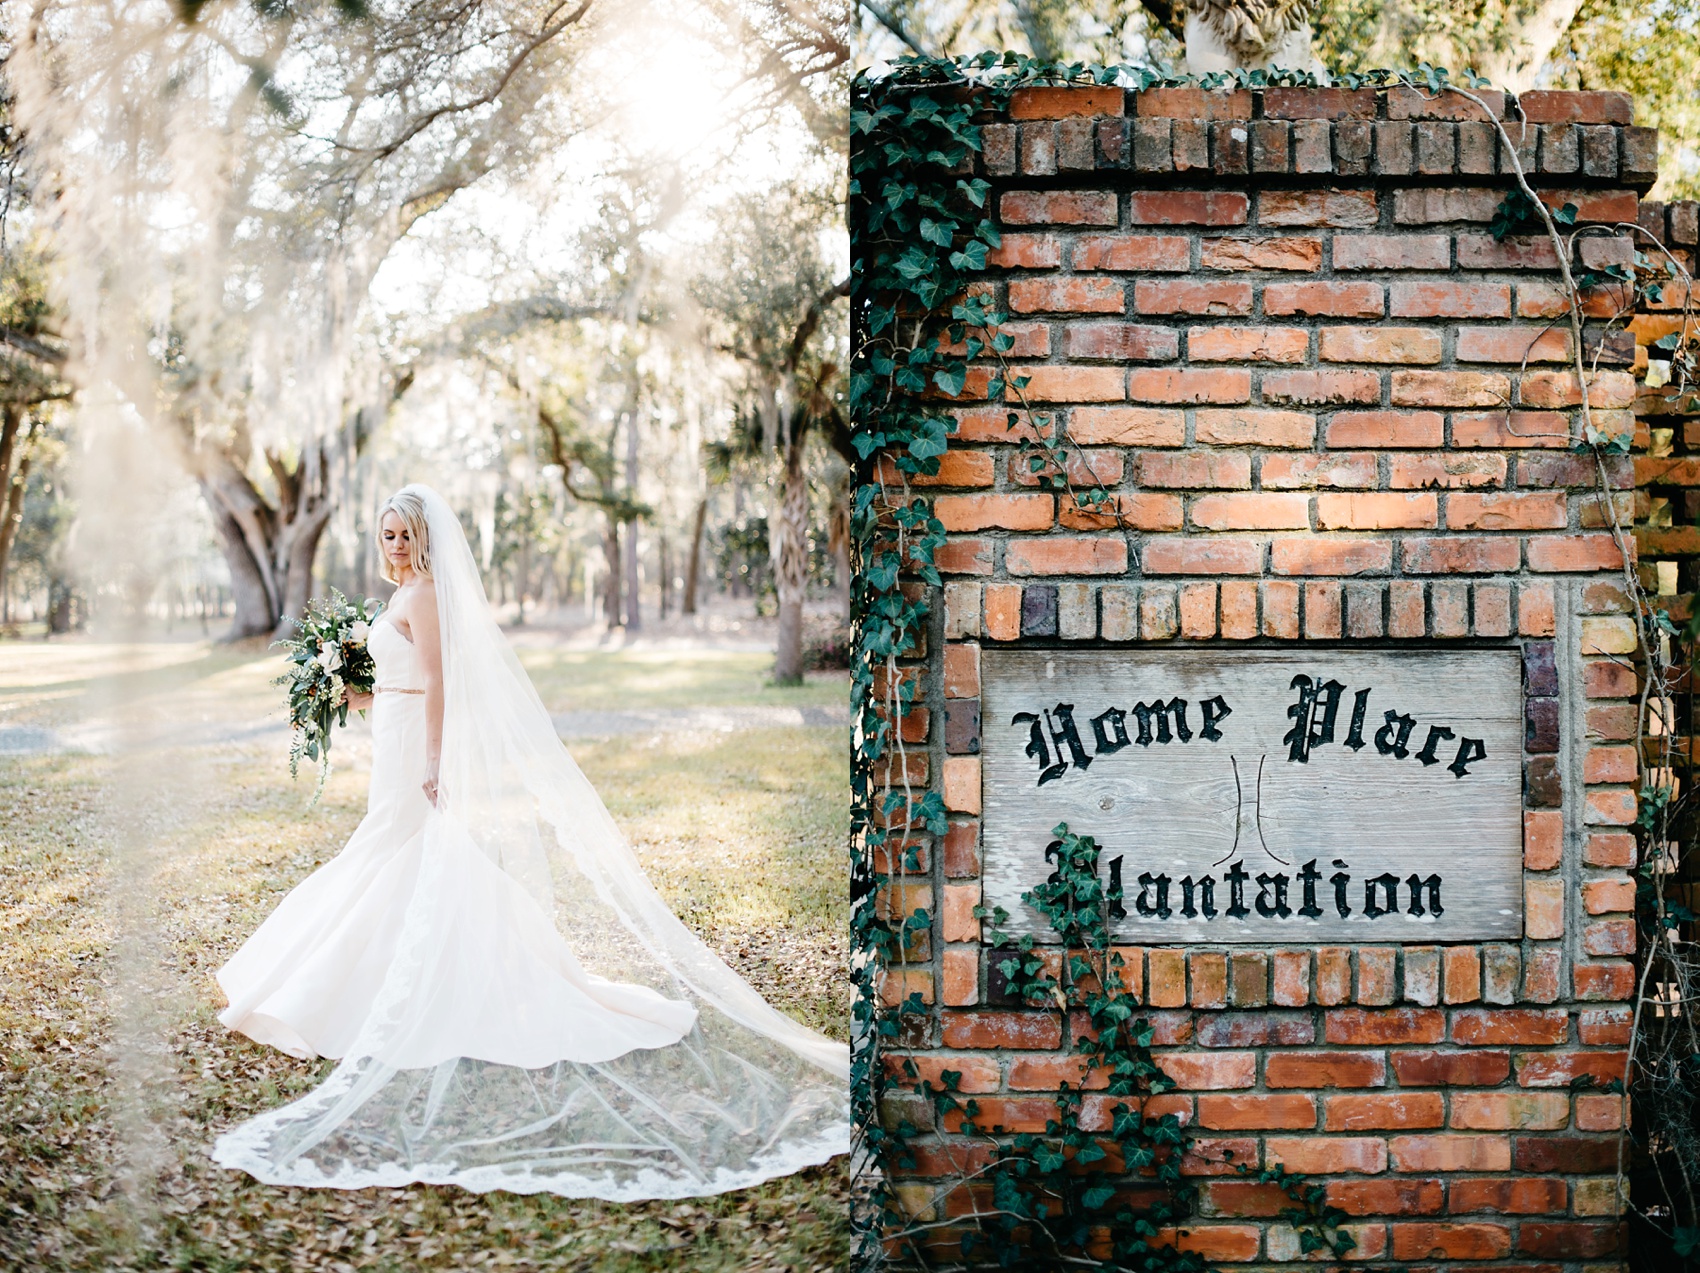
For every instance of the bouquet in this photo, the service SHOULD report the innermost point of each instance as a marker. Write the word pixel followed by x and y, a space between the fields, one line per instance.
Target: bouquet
pixel 327 655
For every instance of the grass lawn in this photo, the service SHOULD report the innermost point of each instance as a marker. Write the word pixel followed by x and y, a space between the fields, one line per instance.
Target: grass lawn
pixel 126 880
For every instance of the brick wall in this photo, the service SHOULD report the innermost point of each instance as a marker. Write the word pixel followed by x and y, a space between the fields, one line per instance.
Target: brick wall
pixel 1284 340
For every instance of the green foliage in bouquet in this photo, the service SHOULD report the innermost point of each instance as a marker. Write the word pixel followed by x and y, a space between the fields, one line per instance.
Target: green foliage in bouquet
pixel 327 655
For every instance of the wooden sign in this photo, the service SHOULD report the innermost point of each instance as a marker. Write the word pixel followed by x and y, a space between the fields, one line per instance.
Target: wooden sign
pixel 1304 795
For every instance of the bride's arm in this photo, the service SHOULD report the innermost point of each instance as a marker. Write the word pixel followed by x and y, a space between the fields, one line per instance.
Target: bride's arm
pixel 427 639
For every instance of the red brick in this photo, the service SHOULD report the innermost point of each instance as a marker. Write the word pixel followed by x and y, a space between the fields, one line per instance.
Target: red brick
pixel 1606 389
pixel 1450 389
pixel 1513 344
pixel 1219 1155
pixel 1209 1071
pixel 1406 609
pixel 1037 1030
pixel 991 424
pixel 1049 1073
pixel 1071 384
pixel 1541 970
pixel 1028 251
pixel 1234 1242
pixel 1242 1198
pixel 1450 1151
pixel 1280 610
pixel 1311 555
pixel 1609 848
pixel 1595 205
pixel 1013 1114
pixel 1098 467
pixel 1187 207
pixel 956 468
pixel 1198 623
pixel 964 557
pixel 1333 971
pixel 1137 510
pixel 1247 344
pixel 1413 103
pixel 1333 300
pixel 1387 1197
pixel 961 671
pixel 1604 1026
pixel 1569 1240
pixel 1063 103
pixel 1167 978
pixel 1449 300
pixel 1392 252
pixel 1328 1155
pixel 1241 1113
pixel 1346 472
pixel 962 850
pixel 1380 344
pixel 1601 679
pixel 984 512
pixel 1239 623
pixel 1543 839
pixel 1462 966
pixel 978 1073
pixel 1609 979
pixel 1303 254
pixel 1530 429
pixel 1599 1113
pixel 1067 295
pixel 1183 296
pixel 1193 103
pixel 1451 1069
pixel 1448 556
pixel 1434 205
pixel 1127 426
pixel 1572 1155
pixel 1559 553
pixel 1121 342
pixel 1510 1111
pixel 1318 103
pixel 1609 937
pixel 1420 1241
pixel 1323 612
pixel 1379 511
pixel 1513 1195
pixel 1321 386
pixel 1505 510
pixel 1373 1111
pixel 1153 384
pixel 1449 472
pixel 1065 556
pixel 1535 609
pixel 1386 429
pixel 1203 557
pixel 1489 1026
pixel 1600 897
pixel 1195 470
pixel 1003 611
pixel 1253 426
pixel 1058 207
pixel 1341 209
pixel 1153 253
pixel 1260 511
pixel 1325 1069
pixel 1359 1026
pixel 1569 106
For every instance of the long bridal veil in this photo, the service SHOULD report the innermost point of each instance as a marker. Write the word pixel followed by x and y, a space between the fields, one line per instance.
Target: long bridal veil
pixel 746 1095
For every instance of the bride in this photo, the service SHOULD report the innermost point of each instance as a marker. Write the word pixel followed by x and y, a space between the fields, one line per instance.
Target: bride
pixel 511 1003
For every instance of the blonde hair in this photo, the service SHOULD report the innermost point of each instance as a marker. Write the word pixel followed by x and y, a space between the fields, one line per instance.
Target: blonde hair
pixel 411 509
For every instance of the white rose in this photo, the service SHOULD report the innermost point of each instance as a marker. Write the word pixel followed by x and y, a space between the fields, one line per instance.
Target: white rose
pixel 330 658
pixel 358 632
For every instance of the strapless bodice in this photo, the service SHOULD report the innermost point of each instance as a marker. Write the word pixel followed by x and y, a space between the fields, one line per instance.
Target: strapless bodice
pixel 395 660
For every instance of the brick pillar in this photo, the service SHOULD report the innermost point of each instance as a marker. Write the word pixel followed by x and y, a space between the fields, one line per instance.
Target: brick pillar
pixel 1282 337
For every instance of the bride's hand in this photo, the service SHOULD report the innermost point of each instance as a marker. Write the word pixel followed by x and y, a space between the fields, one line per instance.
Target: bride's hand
pixel 358 701
pixel 429 787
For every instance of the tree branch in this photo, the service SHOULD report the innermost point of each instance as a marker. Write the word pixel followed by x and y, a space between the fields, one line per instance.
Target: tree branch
pixel 891 22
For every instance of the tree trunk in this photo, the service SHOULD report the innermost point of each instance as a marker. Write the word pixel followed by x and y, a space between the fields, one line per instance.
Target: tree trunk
pixel 12 508
pixel 789 538
pixel 839 541
pixel 611 586
pixel 694 570
pixel 634 610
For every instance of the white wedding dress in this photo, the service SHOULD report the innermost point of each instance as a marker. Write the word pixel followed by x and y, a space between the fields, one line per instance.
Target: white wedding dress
pixel 442 957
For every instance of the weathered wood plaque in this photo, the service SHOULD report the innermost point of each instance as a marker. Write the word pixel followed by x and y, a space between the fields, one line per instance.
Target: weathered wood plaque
pixel 1305 795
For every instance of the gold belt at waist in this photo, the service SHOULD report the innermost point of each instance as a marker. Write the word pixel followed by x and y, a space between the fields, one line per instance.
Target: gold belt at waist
pixel 392 689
